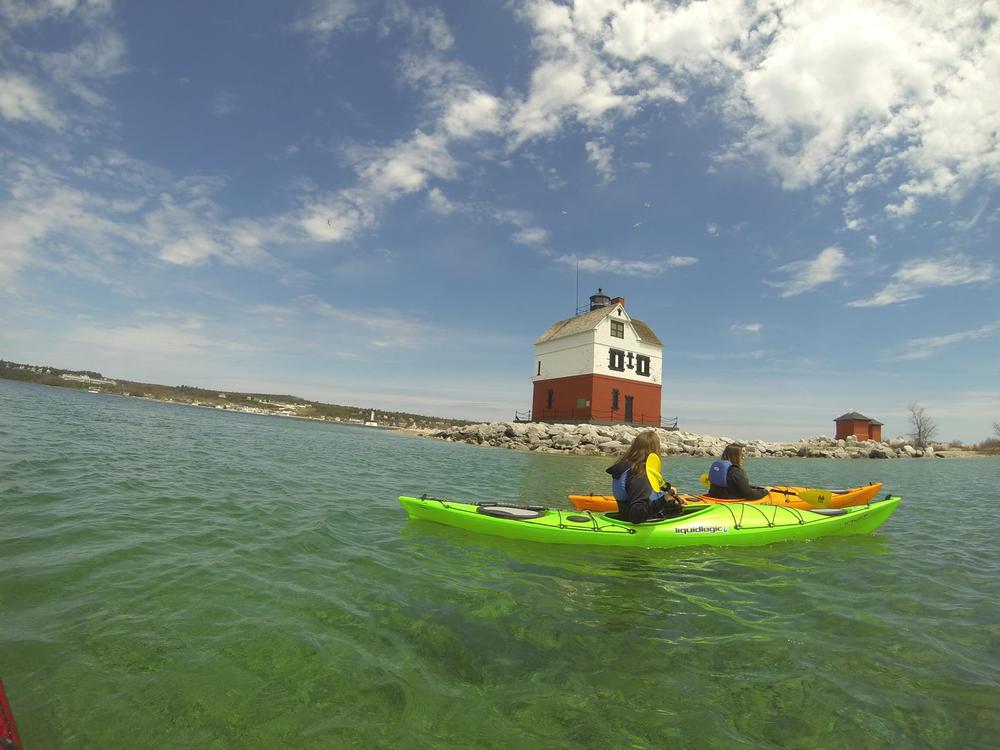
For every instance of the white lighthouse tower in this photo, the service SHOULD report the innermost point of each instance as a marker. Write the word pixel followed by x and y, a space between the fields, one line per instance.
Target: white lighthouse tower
pixel 600 366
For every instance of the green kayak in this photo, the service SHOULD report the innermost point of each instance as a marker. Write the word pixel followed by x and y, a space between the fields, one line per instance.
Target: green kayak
pixel 717 524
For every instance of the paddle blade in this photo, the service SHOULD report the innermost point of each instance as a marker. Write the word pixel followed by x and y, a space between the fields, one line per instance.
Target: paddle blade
pixel 704 480
pixel 819 498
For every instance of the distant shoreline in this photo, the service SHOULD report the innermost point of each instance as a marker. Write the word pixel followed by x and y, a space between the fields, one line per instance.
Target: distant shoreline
pixel 266 404
pixel 171 402
pixel 566 439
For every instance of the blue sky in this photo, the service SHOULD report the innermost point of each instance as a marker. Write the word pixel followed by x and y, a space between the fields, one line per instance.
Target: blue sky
pixel 384 203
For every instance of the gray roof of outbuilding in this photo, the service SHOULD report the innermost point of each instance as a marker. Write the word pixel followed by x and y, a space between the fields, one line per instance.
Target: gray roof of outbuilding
pixel 589 321
pixel 853 415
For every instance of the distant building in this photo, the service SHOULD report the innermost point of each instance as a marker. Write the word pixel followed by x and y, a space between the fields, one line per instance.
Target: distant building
pixel 87 380
pixel 862 427
pixel 601 366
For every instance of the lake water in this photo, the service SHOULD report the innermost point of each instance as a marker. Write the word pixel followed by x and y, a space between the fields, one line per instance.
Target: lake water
pixel 175 577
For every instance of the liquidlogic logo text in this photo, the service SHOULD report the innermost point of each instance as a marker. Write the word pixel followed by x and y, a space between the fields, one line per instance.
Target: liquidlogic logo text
pixel 701 529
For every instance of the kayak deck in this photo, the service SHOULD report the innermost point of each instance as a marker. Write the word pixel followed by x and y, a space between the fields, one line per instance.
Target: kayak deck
pixel 715 524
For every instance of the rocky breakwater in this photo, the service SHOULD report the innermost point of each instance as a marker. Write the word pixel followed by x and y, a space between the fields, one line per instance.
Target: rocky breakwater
pixel 610 440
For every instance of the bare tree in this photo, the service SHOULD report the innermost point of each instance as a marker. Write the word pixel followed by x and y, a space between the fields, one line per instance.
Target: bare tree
pixel 923 426
pixel 996 429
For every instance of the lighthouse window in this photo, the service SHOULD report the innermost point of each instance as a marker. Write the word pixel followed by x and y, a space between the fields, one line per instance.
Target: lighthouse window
pixel 616 360
pixel 618 329
pixel 539 368
pixel 548 399
pixel 641 365
pixel 615 393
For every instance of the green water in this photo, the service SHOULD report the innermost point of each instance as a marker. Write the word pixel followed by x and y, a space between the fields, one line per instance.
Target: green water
pixel 184 578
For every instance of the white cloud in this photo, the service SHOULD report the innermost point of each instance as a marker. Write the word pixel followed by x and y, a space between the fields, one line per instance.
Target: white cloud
pixel 907 207
pixel 110 215
pixel 850 211
pixel 325 18
pixel 224 103
pixel 910 281
pixel 439 202
pixel 427 25
pixel 41 208
pixel 626 267
pixel 92 52
pixel 27 12
pixel 406 166
pixel 384 329
pixel 534 236
pixel 856 93
pixel 806 275
pixel 476 112
pixel 99 57
pixel 873 88
pixel 191 251
pixel 745 327
pixel 922 348
pixel 184 338
pixel 457 109
pixel 337 219
pixel 712 229
pixel 21 100
pixel 601 154
pixel 528 233
pixel 583 75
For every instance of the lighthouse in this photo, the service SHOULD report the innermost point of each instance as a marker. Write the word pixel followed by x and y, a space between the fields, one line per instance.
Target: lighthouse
pixel 600 366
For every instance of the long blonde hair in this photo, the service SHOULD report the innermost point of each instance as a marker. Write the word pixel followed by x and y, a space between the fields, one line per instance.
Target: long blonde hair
pixel 644 443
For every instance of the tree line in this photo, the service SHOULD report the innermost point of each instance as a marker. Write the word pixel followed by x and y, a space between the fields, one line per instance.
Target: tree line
pixel 923 430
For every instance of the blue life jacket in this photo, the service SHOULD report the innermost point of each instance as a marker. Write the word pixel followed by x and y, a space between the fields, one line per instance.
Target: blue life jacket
pixel 619 486
pixel 719 473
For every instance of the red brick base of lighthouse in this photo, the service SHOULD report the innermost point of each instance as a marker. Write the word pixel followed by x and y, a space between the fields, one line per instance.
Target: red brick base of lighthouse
pixel 591 398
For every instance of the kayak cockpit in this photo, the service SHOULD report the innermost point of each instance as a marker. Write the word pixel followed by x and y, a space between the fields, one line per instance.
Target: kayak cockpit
pixel 686 512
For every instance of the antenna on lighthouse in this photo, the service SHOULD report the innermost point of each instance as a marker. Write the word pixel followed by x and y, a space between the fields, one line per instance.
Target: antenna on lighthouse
pixel 576 302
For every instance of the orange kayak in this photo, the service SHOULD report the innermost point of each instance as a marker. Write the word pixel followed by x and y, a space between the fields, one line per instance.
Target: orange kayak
pixel 785 497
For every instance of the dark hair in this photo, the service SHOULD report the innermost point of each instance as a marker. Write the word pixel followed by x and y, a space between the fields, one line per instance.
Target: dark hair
pixel 734 454
pixel 644 443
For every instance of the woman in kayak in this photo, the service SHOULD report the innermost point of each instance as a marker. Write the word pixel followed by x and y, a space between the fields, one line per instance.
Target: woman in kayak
pixel 727 479
pixel 639 487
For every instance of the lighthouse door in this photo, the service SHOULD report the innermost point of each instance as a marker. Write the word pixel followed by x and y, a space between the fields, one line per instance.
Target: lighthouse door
pixel 628 408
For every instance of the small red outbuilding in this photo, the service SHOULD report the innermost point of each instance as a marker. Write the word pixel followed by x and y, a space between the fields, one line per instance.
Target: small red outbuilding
pixel 862 427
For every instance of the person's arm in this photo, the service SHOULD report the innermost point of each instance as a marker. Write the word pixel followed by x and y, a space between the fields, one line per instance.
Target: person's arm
pixel 739 485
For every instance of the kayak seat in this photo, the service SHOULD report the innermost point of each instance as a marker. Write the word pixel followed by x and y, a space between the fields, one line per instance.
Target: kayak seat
pixel 504 511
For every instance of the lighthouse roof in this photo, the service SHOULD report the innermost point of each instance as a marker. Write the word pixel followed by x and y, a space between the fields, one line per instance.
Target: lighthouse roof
pixel 588 321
